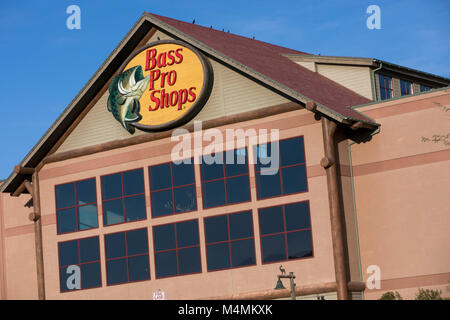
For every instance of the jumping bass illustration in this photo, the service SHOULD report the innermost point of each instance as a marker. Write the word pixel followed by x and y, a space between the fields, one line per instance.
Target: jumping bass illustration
pixel 125 91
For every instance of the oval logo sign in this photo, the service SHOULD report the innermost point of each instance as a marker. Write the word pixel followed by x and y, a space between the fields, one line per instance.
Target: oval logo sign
pixel 161 86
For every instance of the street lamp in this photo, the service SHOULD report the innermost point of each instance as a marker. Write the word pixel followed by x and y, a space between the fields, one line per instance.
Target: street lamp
pixel 291 277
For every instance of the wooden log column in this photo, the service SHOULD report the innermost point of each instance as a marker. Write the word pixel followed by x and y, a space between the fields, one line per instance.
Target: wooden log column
pixel 35 216
pixel 38 237
pixel 330 164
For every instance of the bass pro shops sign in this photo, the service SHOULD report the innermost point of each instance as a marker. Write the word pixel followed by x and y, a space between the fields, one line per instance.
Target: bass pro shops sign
pixel 161 86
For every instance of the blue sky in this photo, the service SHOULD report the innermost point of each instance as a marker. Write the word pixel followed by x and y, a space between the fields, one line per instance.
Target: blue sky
pixel 45 64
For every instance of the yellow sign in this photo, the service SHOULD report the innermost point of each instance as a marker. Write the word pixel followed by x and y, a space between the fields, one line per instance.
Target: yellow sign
pixel 161 86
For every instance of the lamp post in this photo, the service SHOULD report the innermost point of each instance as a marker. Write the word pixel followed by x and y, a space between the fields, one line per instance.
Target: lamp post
pixel 291 280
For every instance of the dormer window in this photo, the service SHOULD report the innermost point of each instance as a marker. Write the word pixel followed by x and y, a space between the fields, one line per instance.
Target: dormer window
pixel 386 91
pixel 406 87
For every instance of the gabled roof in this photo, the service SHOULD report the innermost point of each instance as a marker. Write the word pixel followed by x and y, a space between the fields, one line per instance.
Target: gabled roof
pixel 258 60
pixel 267 60
pixel 370 62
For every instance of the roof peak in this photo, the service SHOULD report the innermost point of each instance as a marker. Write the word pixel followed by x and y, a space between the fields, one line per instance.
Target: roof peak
pixel 167 20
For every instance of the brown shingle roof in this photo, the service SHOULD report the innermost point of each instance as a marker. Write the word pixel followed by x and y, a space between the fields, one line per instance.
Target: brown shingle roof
pixel 268 60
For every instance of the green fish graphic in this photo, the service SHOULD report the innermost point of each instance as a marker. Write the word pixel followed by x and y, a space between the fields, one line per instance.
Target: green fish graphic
pixel 125 91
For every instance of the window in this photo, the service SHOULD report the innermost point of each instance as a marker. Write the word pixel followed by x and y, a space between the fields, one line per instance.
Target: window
pixel 76 206
pixel 123 197
pixel 424 88
pixel 177 249
pixel 85 254
pixel 127 256
pixel 230 241
pixel 172 188
pixel 406 87
pixel 285 232
pixel 290 174
pixel 386 90
pixel 226 182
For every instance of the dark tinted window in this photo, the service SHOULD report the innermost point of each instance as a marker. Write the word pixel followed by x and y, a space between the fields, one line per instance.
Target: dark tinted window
pixel 160 177
pixel 115 245
pixel 216 229
pixel 285 232
pixel 91 275
pixel 297 216
pixel 264 154
pixel 183 174
pixel 133 182
pixel 290 177
pixel 127 256
pixel 424 88
pixel 177 249
pixel 123 197
pixel 226 182
pixel 406 87
pixel 86 192
pixel 66 220
pixel 162 203
pixel 294 179
pixel 137 242
pixel 268 184
pixel 386 91
pixel 113 212
pixel 134 207
pixel 76 206
pixel 112 186
pixel 271 220
pixel 213 193
pixel 229 241
pixel 242 253
pixel 89 249
pixel 185 199
pixel 273 248
pixel 164 237
pixel 65 195
pixel 291 151
pixel 84 254
pixel 172 188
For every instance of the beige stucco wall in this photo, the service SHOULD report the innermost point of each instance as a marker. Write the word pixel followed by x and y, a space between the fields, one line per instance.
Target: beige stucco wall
pixel 18 278
pixel 402 184
pixel 316 270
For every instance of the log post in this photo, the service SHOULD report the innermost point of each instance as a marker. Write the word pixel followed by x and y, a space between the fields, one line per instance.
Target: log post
pixel 330 165
pixel 38 237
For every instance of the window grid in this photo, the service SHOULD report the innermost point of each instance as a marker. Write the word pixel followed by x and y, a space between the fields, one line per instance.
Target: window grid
pixel 285 233
pixel 176 249
pixel 123 197
pixel 126 257
pixel 387 92
pixel 229 241
pixel 225 178
pixel 78 264
pixel 280 170
pixel 406 87
pixel 172 188
pixel 76 206
pixel 424 88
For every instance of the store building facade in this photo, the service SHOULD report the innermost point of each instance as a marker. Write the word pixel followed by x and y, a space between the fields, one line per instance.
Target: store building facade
pixel 312 172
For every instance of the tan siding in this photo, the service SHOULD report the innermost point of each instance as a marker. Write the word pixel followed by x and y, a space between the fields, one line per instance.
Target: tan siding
pixel 353 78
pixel 232 93
pixel 308 65
pixel 396 87
pixel 377 87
